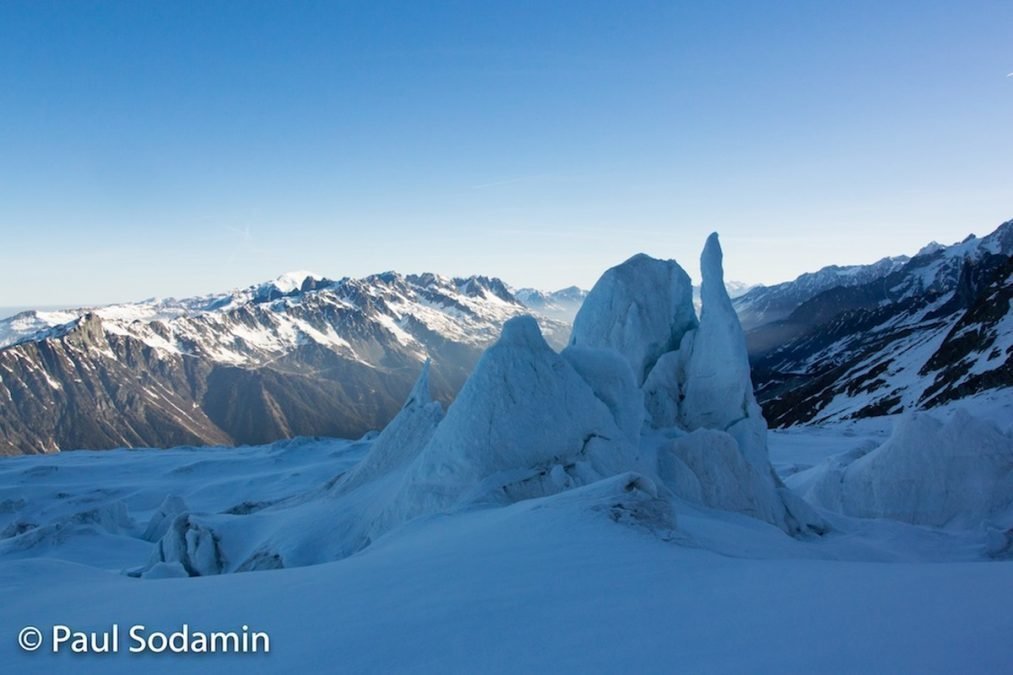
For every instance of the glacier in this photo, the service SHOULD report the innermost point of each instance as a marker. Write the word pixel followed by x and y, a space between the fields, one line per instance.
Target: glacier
pixel 618 504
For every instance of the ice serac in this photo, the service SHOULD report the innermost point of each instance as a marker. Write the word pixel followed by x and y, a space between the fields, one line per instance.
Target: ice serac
pixel 694 384
pixel 525 424
pixel 662 388
pixel 162 518
pixel 706 467
pixel 401 440
pixel 190 543
pixel 718 391
pixel 929 472
pixel 612 381
pixel 641 308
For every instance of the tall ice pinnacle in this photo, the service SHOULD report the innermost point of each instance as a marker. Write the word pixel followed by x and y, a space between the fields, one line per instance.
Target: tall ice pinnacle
pixel 718 390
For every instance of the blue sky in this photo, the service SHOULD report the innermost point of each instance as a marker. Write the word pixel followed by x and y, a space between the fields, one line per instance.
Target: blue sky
pixel 156 148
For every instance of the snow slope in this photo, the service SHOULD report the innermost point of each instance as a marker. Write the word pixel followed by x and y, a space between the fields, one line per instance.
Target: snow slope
pixel 764 304
pixel 568 583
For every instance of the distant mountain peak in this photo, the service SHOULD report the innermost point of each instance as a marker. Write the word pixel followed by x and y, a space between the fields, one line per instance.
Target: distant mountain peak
pixel 290 281
pixel 561 305
pixel 931 247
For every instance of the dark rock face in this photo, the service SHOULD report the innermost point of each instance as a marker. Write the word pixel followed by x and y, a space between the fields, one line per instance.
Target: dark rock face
pixel 332 358
pixel 984 295
pixel 84 388
pixel 935 330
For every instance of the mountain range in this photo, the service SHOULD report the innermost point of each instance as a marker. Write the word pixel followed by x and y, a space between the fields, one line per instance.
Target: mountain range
pixel 299 355
pixel 307 355
pixel 846 343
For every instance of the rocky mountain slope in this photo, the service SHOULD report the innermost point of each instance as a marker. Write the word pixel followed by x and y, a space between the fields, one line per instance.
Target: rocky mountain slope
pixel 936 328
pixel 300 355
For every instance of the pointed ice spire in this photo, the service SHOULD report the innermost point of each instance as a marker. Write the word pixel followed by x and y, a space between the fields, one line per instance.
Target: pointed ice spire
pixel 401 440
pixel 718 389
pixel 713 294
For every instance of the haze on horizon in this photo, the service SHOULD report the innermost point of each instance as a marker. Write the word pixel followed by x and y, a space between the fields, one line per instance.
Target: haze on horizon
pixel 176 150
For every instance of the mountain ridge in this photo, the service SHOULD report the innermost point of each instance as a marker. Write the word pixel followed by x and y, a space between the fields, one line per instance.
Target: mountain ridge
pixel 302 354
pixel 281 358
pixel 937 328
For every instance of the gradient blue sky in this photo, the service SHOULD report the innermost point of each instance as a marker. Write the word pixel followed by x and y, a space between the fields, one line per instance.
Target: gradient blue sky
pixel 156 148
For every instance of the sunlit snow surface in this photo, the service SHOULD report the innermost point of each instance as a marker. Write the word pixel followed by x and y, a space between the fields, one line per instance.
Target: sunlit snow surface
pixel 589 580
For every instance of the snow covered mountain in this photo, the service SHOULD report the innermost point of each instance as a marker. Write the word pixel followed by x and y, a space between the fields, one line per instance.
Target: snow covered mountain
pixel 564 304
pixel 299 355
pixel 932 329
pixel 759 305
pixel 561 305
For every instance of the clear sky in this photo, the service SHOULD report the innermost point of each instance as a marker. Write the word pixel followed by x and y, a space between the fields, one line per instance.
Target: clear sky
pixel 176 148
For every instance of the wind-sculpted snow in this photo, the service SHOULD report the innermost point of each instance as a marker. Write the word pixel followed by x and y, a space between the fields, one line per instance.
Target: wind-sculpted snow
pixel 617 575
pixel 528 423
pixel 640 308
pixel 929 472
pixel 706 467
pixel 191 545
pixel 669 539
pixel 555 487
pixel 663 386
pixel 38 531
